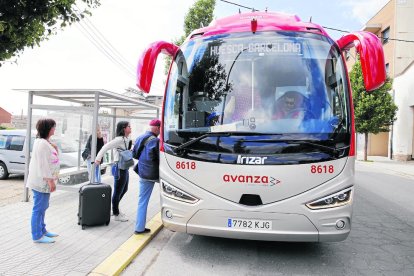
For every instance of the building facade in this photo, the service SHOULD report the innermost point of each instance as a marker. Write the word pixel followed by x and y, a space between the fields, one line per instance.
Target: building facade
pixel 394 25
pixel 5 117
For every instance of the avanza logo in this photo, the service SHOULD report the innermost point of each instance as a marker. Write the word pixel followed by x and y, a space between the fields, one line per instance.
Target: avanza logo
pixel 251 179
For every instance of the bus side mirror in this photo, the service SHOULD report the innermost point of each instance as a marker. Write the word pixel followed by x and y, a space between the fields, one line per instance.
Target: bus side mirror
pixel 146 64
pixel 371 54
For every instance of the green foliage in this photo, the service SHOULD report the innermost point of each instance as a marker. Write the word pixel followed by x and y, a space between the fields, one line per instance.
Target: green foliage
pixel 374 111
pixel 200 14
pixel 210 76
pixel 26 23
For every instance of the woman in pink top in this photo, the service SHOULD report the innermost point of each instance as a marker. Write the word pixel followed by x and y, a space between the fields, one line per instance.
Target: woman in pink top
pixel 42 178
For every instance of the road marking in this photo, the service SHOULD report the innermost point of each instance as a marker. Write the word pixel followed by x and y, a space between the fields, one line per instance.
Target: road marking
pixel 123 256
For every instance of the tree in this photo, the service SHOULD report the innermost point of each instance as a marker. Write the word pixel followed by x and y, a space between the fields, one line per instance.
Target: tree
pixel 210 76
pixel 374 111
pixel 26 23
pixel 200 14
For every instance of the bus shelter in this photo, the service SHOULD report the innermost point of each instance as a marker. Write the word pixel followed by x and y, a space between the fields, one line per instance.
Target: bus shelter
pixel 78 112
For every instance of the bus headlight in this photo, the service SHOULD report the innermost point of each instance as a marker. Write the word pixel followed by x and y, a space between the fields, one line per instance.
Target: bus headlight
pixel 334 200
pixel 175 193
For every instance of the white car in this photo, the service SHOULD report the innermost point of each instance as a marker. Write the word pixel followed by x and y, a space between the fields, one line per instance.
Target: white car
pixel 12 149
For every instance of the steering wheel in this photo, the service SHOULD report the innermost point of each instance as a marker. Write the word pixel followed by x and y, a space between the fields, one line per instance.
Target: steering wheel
pixel 300 112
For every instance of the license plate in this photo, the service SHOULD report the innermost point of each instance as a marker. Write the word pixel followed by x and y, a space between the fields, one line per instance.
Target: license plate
pixel 252 224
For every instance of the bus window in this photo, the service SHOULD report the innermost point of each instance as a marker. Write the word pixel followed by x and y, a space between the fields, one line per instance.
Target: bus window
pixel 222 83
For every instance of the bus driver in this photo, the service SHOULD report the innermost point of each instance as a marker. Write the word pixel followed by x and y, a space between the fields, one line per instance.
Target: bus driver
pixel 290 106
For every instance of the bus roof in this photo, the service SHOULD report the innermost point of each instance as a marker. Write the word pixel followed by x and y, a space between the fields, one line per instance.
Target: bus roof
pixel 266 21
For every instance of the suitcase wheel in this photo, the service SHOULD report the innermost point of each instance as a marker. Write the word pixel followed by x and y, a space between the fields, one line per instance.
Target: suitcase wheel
pixel 83 227
pixel 106 223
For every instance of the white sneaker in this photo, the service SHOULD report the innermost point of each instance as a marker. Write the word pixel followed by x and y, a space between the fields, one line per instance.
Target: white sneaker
pixel 121 217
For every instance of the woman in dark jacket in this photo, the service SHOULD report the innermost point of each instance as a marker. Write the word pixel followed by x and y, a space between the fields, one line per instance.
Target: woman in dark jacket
pixel 99 144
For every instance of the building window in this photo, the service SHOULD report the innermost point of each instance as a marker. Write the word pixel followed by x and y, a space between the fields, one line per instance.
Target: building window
pixel 387 69
pixel 385 35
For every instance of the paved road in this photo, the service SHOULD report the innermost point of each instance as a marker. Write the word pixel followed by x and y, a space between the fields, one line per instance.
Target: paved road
pixel 381 242
pixel 11 190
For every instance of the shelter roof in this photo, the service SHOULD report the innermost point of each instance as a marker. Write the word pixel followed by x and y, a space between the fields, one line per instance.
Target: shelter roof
pixel 87 97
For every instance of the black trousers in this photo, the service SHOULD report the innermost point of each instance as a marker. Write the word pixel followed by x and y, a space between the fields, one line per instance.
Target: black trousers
pixel 120 188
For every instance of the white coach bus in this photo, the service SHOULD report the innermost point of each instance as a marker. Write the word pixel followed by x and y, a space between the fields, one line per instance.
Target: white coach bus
pixel 258 137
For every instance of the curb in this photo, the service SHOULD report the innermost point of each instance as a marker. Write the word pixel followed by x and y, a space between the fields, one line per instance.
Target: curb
pixel 405 170
pixel 123 256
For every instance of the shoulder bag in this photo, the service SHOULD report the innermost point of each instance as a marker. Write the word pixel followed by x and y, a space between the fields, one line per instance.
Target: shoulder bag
pixel 125 158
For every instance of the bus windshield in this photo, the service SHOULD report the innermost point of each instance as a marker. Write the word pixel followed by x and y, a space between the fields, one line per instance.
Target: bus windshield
pixel 284 83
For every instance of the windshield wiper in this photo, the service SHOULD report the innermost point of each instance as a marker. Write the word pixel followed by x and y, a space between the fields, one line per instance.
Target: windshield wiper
pixel 219 134
pixel 301 142
pixel 333 149
pixel 201 137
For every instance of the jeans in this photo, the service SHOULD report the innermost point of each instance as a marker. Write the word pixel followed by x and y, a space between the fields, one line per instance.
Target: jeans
pixel 145 190
pixel 120 188
pixel 97 171
pixel 40 204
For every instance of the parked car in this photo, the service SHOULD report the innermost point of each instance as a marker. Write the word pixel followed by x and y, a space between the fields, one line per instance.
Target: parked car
pixel 12 158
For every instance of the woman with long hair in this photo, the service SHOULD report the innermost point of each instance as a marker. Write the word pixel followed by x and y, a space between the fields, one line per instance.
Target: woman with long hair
pixel 99 144
pixel 121 178
pixel 42 178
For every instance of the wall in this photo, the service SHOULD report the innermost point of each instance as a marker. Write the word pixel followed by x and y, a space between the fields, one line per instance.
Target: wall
pixel 385 18
pixel 403 127
pixel 378 144
pixel 404 21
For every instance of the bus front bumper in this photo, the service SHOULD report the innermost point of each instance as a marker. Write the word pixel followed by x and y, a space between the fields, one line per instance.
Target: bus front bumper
pixel 283 227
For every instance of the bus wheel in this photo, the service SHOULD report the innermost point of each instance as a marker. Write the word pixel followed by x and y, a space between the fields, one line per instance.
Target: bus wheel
pixel 4 174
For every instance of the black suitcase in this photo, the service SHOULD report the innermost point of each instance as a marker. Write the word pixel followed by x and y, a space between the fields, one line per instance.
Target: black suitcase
pixel 94 205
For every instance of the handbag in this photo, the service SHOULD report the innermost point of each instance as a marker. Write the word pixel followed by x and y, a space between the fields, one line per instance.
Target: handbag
pixel 86 154
pixel 125 158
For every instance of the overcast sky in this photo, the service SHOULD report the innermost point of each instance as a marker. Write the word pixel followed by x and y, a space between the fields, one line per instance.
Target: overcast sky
pixel 71 60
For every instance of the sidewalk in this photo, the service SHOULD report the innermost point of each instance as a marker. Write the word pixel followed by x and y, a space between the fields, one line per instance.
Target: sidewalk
pixel 76 251
pixel 386 165
pixel 79 252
